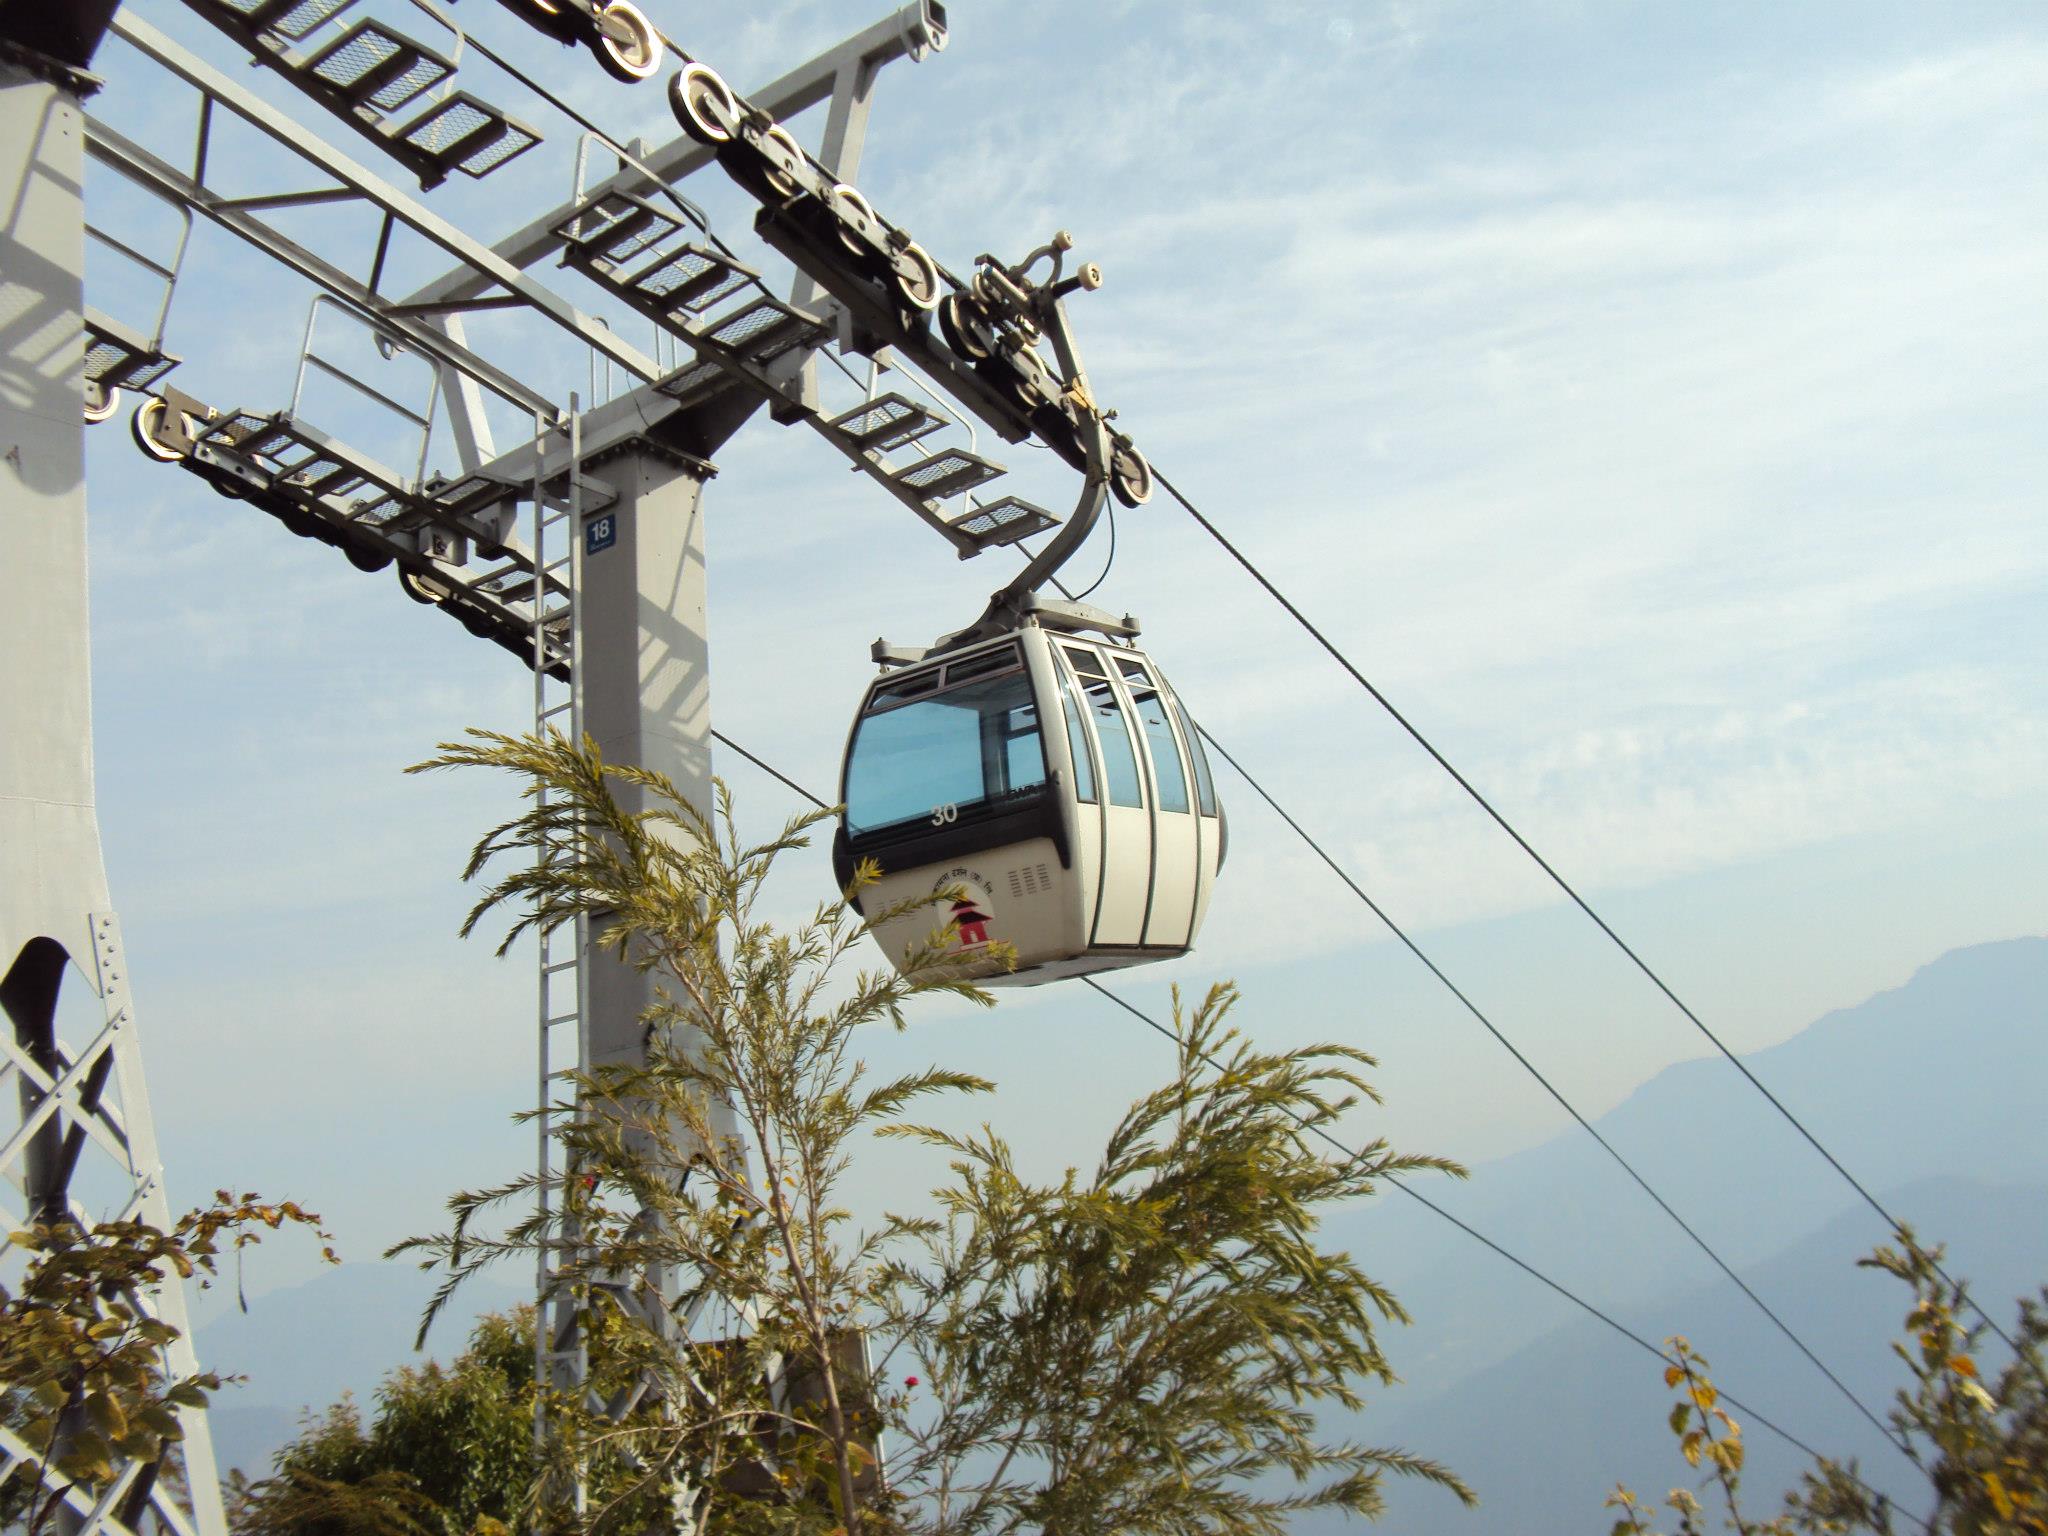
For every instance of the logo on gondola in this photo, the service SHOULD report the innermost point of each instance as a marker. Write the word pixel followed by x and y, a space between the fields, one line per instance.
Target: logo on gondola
pixel 973 910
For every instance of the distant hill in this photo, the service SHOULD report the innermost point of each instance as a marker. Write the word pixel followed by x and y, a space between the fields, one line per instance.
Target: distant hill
pixel 1930 1093
pixel 302 1347
pixel 1545 1434
pixel 1939 1078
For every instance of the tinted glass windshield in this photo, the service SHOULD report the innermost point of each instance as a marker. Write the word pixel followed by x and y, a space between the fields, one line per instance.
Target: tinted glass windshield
pixel 946 755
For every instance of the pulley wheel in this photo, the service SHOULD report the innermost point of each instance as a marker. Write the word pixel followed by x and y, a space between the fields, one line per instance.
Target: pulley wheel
pixel 227 485
pixel 143 425
pixel 100 403
pixel 854 211
pixel 367 559
pixel 704 104
pixel 917 277
pixel 1130 477
pixel 628 48
pixel 422 588
pixel 778 178
pixel 962 331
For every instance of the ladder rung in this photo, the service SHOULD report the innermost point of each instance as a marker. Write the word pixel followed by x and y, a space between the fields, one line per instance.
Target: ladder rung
pixel 560 1018
pixel 560 965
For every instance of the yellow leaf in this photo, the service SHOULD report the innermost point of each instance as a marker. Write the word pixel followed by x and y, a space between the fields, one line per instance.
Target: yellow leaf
pixel 1963 1365
pixel 2000 1499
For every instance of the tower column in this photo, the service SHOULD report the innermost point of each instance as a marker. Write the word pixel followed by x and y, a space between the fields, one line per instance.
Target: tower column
pixel 83 1097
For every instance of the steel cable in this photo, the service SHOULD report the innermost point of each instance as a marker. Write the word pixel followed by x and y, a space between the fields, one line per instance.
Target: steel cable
pixel 1559 880
pixel 1351 1155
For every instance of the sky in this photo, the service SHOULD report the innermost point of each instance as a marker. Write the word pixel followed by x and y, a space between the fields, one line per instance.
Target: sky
pixel 1646 398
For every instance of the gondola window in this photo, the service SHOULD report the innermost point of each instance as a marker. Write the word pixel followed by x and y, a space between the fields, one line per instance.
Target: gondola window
pixel 1077 740
pixel 971 748
pixel 1119 760
pixel 1205 786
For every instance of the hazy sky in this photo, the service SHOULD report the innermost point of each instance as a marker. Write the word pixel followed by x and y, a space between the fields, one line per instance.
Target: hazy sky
pixel 1647 398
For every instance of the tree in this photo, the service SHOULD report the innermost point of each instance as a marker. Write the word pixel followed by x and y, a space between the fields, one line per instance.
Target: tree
pixel 1141 1349
pixel 85 1387
pixel 449 1452
pixel 1981 1440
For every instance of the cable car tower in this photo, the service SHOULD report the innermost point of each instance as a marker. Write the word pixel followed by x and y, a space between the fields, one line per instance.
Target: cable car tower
pixel 578 545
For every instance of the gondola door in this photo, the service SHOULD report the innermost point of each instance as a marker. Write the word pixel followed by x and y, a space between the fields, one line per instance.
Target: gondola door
pixel 1126 817
pixel 1176 832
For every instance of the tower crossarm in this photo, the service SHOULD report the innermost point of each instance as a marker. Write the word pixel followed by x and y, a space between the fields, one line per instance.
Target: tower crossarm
pixel 500 283
pixel 845 70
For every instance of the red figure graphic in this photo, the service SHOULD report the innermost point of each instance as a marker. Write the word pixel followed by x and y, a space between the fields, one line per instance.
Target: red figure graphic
pixel 972 923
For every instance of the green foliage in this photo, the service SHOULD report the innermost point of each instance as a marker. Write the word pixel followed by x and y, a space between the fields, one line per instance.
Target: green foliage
pixel 87 1386
pixel 450 1452
pixel 1138 1351
pixel 1981 1441
pixel 745 1026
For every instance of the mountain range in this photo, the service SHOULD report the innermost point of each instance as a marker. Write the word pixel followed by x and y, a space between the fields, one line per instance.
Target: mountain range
pixel 1930 1094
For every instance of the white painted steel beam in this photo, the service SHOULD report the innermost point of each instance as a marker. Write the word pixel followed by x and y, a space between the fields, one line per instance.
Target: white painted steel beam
pixel 485 267
pixel 893 37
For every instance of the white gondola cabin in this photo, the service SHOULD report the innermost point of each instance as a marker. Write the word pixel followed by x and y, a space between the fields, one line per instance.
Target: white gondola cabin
pixel 1055 780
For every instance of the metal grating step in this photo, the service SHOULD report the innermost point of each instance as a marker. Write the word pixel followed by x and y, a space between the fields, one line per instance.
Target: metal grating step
pixel 307 464
pixel 687 280
pixel 464 134
pixel 614 228
pixel 1003 522
pixel 889 421
pixel 367 75
pixel 373 67
pixel 290 20
pixel 674 276
pixel 945 474
pixel 119 358
pixel 760 331
pixel 692 381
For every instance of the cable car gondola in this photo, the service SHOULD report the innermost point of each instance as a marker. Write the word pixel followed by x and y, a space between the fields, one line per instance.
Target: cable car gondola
pixel 1054 779
pixel 1036 764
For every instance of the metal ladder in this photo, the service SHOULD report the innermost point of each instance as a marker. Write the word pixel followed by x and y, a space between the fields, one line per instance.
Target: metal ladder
pixel 561 1356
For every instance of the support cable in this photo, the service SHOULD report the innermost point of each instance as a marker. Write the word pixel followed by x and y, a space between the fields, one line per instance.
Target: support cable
pixel 1557 879
pixel 1904 1446
pixel 1527 1268
pixel 1352 1156
pixel 774 773
pixel 668 188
